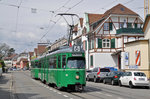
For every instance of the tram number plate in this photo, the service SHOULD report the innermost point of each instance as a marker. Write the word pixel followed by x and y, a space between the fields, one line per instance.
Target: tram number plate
pixel 76 48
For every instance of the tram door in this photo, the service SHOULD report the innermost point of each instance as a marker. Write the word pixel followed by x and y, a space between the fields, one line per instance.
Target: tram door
pixel 59 70
pixel 44 69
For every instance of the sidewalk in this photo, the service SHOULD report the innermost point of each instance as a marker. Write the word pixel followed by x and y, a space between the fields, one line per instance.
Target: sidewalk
pixel 5 86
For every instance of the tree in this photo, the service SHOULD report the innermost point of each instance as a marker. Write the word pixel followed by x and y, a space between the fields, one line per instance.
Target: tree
pixel 5 50
pixel 11 51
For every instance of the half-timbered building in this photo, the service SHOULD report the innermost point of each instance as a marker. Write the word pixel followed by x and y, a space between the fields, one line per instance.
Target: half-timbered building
pixel 104 36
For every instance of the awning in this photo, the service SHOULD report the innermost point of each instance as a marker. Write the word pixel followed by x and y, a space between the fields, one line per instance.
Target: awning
pixel 116 53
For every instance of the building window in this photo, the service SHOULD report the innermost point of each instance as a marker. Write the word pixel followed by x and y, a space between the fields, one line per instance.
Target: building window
pixel 106 43
pixel 121 25
pixel 106 26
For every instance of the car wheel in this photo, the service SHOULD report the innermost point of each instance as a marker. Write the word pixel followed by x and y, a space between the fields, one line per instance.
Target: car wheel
pixel 130 84
pixel 112 82
pixel 104 81
pixel 95 80
pixel 87 78
pixel 120 84
pixel 147 87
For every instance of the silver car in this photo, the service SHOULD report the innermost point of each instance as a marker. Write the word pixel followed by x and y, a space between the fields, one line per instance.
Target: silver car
pixel 97 74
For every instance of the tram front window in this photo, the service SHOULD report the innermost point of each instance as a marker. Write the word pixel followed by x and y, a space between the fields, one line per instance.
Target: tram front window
pixel 76 62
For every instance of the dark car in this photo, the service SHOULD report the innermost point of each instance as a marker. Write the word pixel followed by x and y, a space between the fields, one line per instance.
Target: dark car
pixel 112 77
pixel 97 74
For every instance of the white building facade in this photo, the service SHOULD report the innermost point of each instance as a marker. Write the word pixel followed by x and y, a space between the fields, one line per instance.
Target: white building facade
pixel 104 36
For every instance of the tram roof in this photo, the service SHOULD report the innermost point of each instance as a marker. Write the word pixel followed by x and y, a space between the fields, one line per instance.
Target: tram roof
pixel 64 49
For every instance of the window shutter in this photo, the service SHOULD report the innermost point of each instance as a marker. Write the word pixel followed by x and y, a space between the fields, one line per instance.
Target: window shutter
pixel 85 45
pixel 110 26
pixel 91 60
pixel 89 44
pixel 99 43
pixel 113 43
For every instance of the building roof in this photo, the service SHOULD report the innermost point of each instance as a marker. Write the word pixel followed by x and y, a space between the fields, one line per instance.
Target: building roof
pixel 120 9
pixel 143 40
pixel 75 29
pixel 81 22
pixel 94 17
pixel 41 49
pixel 31 53
pixel 147 19
pixel 10 57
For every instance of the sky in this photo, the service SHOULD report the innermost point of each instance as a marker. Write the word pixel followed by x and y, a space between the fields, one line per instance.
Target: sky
pixel 24 23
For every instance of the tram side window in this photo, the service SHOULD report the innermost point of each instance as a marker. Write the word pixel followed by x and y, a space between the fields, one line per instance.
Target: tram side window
pixel 59 61
pixel 39 65
pixel 52 62
pixel 32 64
pixel 64 61
pixel 36 64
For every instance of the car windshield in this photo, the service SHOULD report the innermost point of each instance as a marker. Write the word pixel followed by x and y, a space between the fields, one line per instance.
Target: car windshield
pixel 139 74
pixel 104 70
pixel 118 73
pixel 76 62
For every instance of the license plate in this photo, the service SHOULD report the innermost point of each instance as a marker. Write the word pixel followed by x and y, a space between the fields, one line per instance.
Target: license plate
pixel 141 78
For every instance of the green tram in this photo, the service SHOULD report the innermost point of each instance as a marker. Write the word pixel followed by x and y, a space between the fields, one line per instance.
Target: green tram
pixel 63 68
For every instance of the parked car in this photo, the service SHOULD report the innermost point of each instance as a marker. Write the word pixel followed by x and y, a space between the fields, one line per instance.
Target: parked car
pixel 87 73
pixel 112 77
pixel 134 78
pixel 97 74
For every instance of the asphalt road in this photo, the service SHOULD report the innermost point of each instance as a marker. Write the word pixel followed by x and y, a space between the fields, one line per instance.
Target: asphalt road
pixel 24 87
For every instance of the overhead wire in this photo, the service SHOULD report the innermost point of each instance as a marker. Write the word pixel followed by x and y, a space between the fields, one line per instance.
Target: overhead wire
pixel 59 19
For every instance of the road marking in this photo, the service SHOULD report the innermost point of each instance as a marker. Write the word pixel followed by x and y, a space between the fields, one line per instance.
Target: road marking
pixel 99 92
pixel 65 95
pixel 119 98
pixel 54 90
pixel 59 93
pixel 108 95
pixel 50 88
pixel 71 98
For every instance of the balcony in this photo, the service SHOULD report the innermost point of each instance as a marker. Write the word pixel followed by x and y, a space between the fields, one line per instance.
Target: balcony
pixel 130 31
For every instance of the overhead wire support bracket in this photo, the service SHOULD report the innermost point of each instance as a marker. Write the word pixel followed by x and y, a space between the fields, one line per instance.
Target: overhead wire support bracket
pixel 70 25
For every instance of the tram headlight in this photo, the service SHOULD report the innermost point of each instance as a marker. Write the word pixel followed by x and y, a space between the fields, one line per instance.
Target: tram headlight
pixel 77 77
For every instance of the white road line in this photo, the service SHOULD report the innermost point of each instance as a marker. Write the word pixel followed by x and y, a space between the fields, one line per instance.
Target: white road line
pixel 54 90
pixel 59 93
pixel 99 92
pixel 119 98
pixel 65 95
pixel 71 98
pixel 108 95
pixel 50 88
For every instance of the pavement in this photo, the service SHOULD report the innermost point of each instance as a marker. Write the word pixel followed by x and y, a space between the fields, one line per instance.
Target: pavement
pixel 6 86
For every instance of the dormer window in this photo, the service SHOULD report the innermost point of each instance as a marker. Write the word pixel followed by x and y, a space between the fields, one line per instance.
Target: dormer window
pixel 122 9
